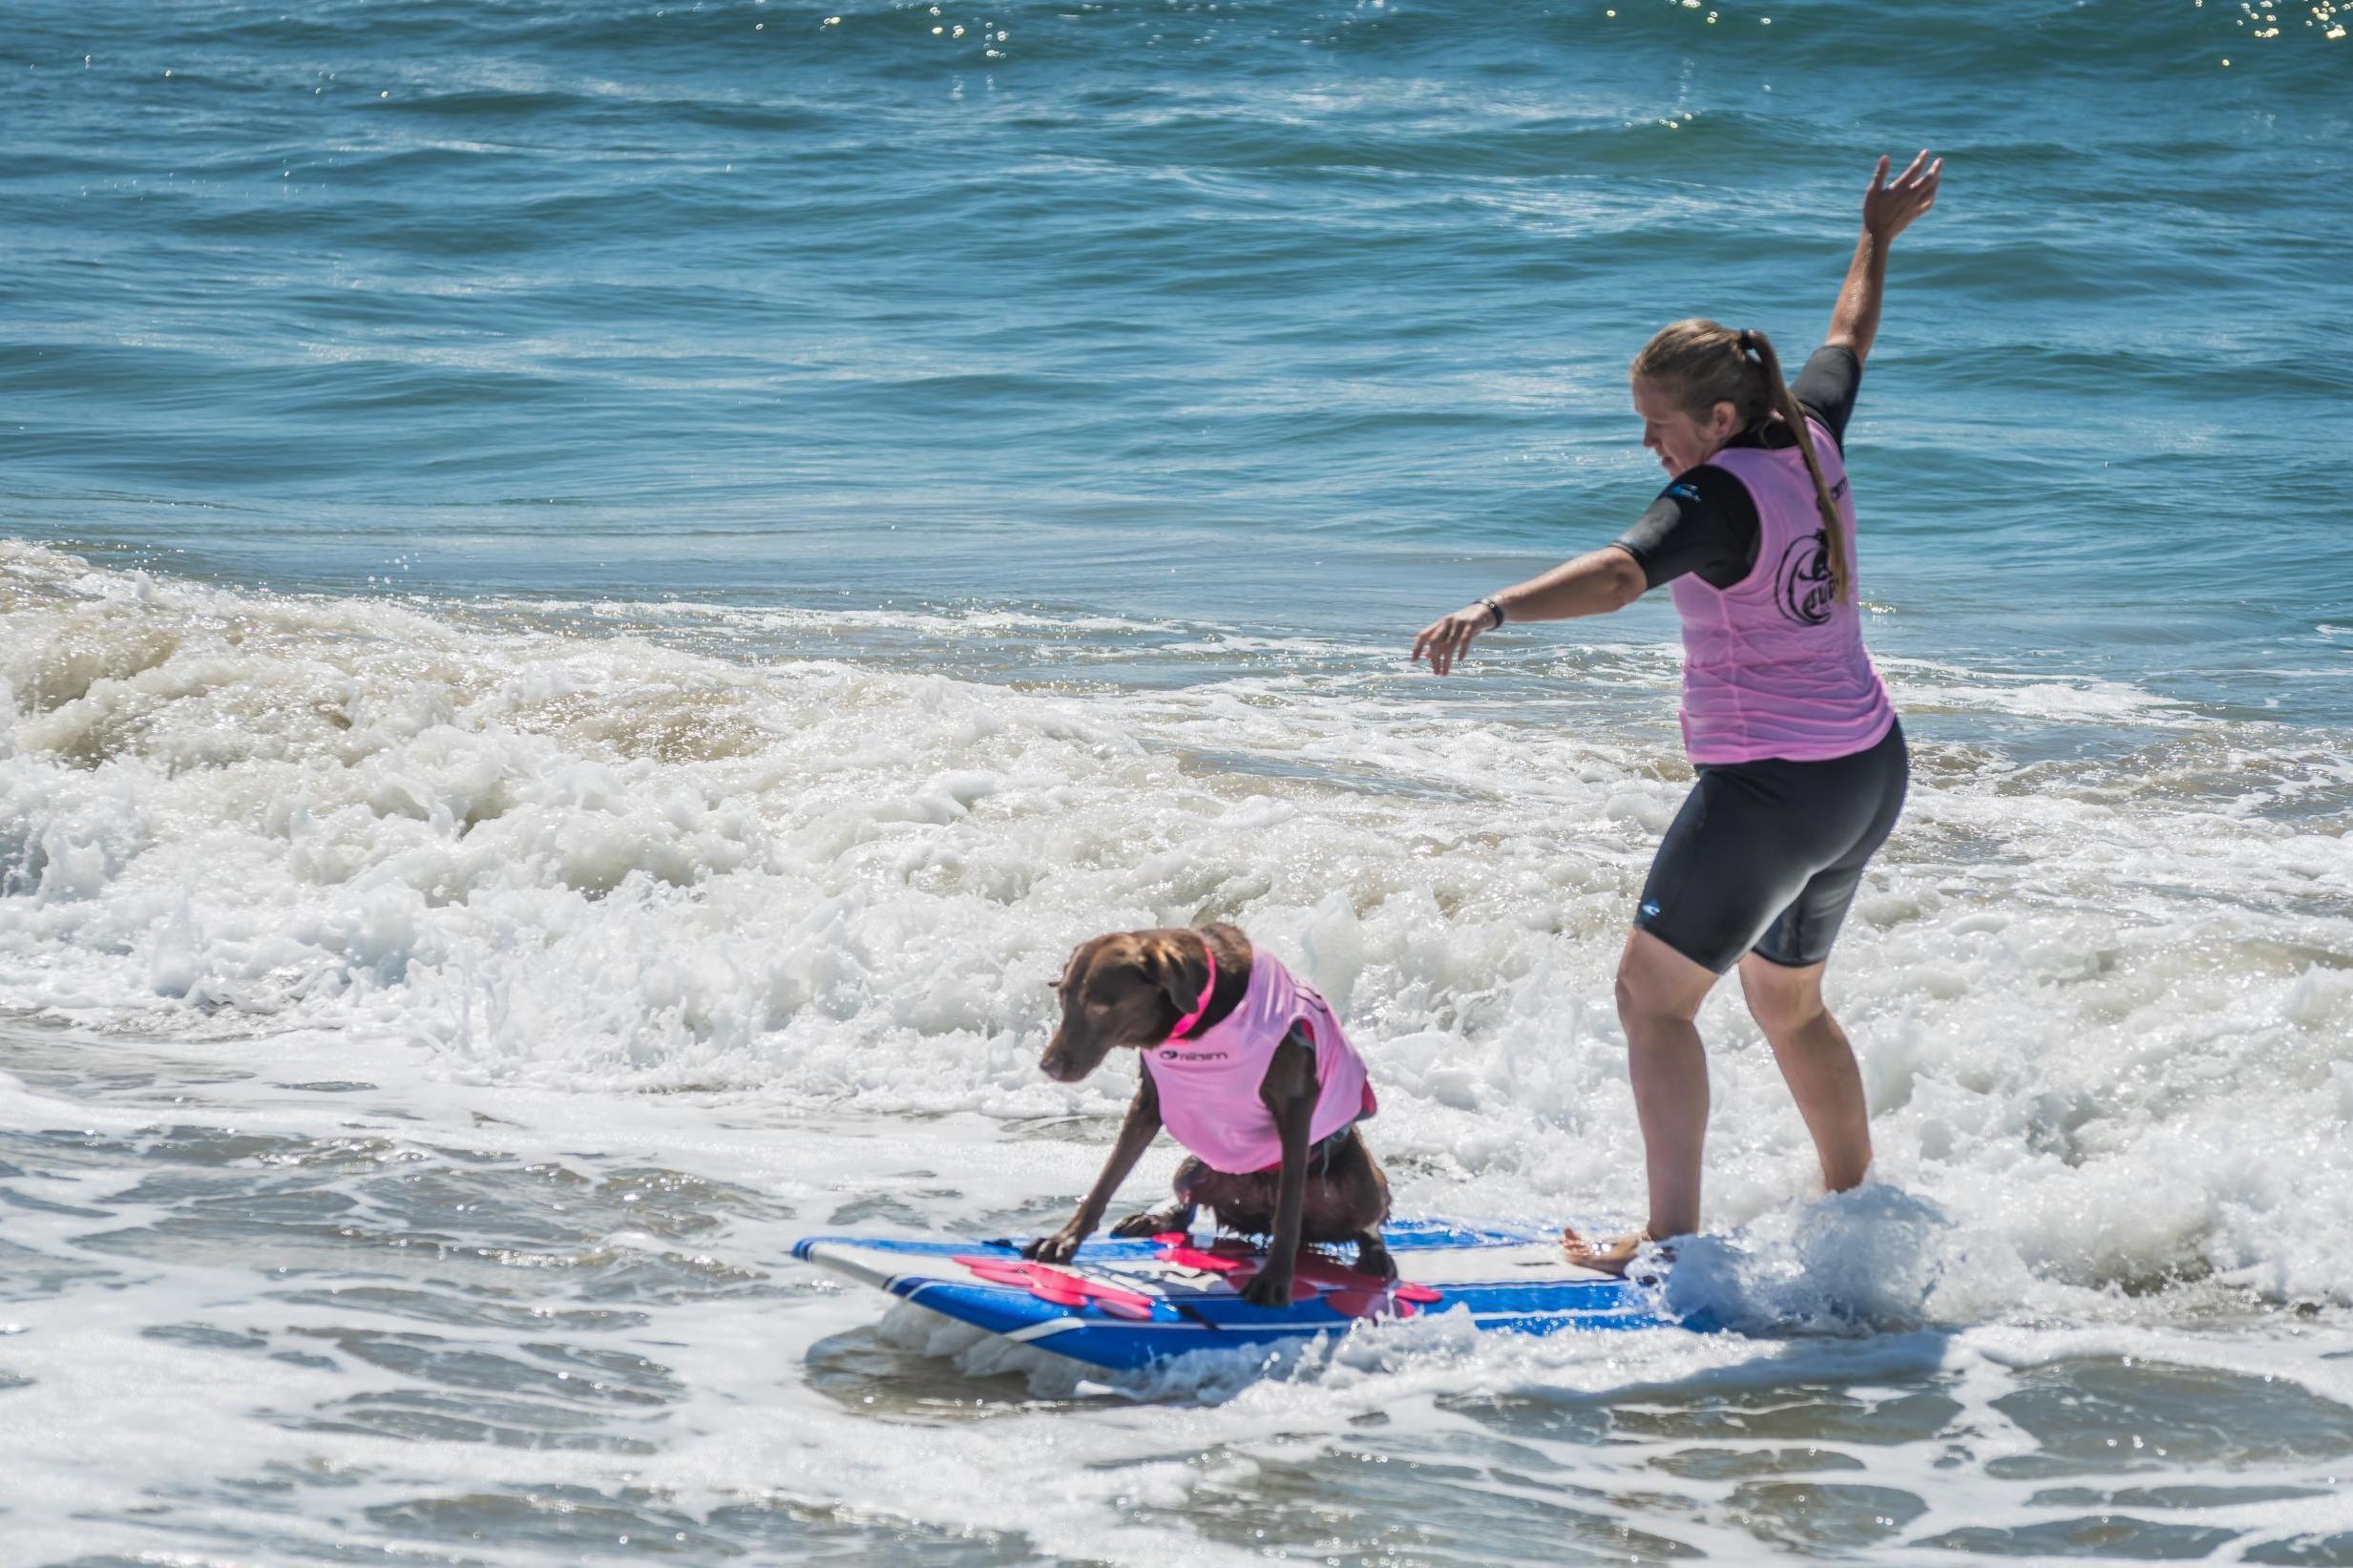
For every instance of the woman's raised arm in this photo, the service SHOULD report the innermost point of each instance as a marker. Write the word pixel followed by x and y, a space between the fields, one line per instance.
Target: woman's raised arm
pixel 1887 211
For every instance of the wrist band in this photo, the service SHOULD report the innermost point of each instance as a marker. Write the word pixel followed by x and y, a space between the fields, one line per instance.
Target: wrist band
pixel 1498 612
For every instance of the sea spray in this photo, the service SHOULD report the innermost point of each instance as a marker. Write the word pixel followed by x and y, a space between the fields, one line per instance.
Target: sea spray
pixel 612 864
pixel 1873 1260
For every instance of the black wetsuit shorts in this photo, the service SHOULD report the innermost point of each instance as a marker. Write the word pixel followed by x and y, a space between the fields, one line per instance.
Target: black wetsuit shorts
pixel 1764 857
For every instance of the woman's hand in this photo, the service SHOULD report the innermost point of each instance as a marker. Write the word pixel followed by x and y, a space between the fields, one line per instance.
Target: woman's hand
pixel 1447 639
pixel 1888 210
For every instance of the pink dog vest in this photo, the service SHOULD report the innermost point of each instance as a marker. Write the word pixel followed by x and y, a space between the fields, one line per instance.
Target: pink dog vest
pixel 1773 666
pixel 1208 1086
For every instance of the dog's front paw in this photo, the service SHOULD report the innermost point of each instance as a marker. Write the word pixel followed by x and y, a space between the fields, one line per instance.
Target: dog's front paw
pixel 1270 1288
pixel 1057 1249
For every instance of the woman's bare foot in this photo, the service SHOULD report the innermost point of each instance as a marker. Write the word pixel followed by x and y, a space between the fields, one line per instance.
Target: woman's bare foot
pixel 1610 1257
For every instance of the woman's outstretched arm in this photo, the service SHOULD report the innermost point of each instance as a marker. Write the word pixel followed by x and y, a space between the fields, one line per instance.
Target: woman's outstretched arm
pixel 1594 584
pixel 1887 211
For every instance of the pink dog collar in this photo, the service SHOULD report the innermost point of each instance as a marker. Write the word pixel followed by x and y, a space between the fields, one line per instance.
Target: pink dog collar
pixel 1208 987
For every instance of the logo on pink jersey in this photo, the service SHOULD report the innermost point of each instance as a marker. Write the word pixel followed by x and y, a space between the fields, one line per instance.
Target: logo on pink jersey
pixel 1804 580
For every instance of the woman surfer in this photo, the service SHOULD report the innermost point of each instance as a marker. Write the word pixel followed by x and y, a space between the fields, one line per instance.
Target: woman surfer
pixel 1800 762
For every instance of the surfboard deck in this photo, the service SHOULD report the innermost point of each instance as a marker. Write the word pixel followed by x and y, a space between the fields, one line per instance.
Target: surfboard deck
pixel 1127 1303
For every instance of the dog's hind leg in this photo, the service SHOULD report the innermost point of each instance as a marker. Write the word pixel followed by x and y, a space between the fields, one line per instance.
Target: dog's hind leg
pixel 1157 1222
pixel 1372 1255
pixel 1175 1215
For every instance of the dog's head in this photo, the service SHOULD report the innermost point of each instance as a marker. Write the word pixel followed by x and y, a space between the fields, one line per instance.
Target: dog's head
pixel 1126 989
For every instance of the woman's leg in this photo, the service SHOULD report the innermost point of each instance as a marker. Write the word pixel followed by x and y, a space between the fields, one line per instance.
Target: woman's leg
pixel 1817 1061
pixel 1659 992
pixel 1782 976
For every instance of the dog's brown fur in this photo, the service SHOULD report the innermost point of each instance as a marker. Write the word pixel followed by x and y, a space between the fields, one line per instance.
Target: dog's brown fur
pixel 1128 989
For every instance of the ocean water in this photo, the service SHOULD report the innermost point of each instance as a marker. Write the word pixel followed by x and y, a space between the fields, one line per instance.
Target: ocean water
pixel 593 594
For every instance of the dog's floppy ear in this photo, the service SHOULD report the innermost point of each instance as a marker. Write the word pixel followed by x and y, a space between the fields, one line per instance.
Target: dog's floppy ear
pixel 1180 975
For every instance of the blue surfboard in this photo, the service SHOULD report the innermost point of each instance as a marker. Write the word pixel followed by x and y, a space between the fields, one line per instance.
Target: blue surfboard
pixel 1127 1303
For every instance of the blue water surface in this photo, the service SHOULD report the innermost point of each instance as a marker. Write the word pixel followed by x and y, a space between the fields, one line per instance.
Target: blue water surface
pixel 1311 319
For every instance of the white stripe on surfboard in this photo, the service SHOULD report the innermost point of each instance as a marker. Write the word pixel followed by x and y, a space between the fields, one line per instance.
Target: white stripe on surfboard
pixel 1039 1330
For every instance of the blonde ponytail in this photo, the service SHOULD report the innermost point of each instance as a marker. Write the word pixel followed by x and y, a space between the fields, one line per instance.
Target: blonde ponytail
pixel 1792 414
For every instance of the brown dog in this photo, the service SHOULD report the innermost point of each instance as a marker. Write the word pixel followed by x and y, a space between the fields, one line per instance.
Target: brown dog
pixel 1133 989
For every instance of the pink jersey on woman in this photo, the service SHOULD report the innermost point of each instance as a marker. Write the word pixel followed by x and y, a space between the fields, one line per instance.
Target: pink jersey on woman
pixel 1208 1085
pixel 1773 666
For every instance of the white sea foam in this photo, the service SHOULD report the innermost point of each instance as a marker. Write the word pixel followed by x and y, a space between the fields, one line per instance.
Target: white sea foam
pixel 149 1415
pixel 934 622
pixel 2101 1025
pixel 1919 684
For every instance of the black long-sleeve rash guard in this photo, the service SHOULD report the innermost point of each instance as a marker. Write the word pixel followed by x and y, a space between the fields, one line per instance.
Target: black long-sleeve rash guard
pixel 1704 521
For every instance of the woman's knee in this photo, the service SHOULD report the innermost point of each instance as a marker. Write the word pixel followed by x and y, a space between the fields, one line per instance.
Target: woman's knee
pixel 1782 1000
pixel 1654 981
pixel 1633 1001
